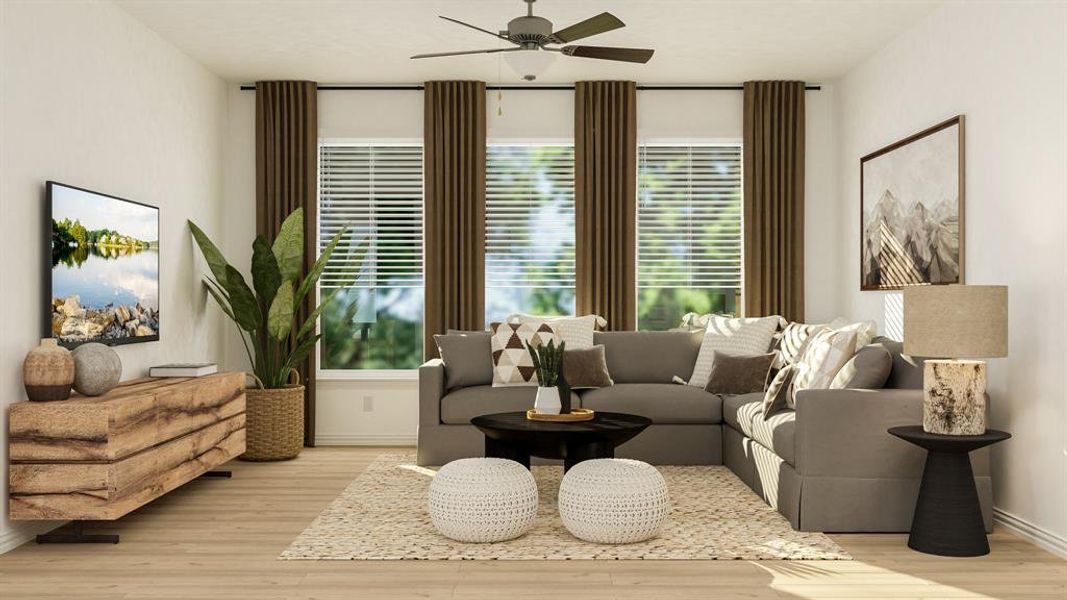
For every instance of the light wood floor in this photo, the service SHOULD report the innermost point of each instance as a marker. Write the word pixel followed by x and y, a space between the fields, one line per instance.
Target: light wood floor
pixel 220 539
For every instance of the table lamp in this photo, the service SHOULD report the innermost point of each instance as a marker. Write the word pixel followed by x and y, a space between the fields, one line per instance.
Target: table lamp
pixel 955 322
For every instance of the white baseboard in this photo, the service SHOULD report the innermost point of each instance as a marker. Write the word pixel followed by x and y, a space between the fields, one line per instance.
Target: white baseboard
pixel 24 532
pixel 1032 533
pixel 365 439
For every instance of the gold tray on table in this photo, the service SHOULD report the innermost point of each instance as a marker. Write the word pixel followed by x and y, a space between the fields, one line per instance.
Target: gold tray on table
pixel 575 416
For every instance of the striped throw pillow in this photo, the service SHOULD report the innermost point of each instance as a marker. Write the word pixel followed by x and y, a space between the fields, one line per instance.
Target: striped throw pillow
pixel 730 335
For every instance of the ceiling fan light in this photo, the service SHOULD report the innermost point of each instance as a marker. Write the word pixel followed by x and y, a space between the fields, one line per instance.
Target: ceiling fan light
pixel 530 63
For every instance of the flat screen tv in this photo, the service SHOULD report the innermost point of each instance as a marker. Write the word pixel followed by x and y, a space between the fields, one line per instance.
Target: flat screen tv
pixel 102 280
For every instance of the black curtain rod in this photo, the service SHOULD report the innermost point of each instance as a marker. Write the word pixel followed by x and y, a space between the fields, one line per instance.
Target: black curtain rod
pixel 384 88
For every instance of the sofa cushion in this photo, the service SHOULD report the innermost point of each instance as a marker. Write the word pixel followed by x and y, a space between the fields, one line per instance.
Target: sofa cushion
pixel 649 356
pixel 790 341
pixel 460 406
pixel 730 335
pixel 776 433
pixel 468 358
pixel 510 343
pixel 664 403
pixel 738 411
pixel 867 370
pixel 824 355
pixel 586 368
pixel 737 374
pixel 576 331
pixel 775 398
pixel 907 372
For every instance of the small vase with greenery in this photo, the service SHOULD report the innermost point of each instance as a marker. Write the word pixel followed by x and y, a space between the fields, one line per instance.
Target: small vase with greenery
pixel 548 364
pixel 266 317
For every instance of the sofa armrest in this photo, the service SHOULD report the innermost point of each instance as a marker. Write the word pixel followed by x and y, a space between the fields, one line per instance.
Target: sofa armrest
pixel 431 390
pixel 842 433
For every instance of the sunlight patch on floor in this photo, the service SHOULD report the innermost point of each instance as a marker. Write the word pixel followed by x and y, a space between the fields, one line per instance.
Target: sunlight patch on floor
pixel 417 469
pixel 808 579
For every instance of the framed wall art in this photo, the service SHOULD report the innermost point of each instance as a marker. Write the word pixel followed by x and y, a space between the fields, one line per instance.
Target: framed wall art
pixel 911 210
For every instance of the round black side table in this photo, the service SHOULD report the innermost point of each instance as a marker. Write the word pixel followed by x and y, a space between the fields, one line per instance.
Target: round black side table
pixel 948 518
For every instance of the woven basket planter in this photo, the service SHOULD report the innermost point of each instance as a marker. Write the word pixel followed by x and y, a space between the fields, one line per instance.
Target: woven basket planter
pixel 275 429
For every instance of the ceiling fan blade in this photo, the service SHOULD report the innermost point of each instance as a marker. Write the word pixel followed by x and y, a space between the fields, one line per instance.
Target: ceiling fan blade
pixel 475 27
pixel 591 26
pixel 634 55
pixel 462 52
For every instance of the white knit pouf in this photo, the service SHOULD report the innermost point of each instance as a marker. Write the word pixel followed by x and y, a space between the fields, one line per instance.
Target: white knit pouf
pixel 483 500
pixel 613 501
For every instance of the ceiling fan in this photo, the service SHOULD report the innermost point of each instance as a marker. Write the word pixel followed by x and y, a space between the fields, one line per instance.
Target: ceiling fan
pixel 534 34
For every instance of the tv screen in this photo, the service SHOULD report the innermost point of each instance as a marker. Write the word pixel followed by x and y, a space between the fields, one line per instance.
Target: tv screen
pixel 103 271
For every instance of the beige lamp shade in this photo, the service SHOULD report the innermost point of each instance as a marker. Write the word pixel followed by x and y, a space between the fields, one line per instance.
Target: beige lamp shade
pixel 956 321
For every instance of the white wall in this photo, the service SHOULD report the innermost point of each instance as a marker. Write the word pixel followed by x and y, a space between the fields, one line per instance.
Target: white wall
pixel 1003 65
pixel 92 98
pixel 386 412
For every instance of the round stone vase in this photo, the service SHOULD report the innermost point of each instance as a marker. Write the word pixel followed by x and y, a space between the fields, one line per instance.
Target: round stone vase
pixel 97 369
pixel 48 372
pixel 547 401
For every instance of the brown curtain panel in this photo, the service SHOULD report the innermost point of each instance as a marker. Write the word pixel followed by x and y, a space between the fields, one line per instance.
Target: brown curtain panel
pixel 454 200
pixel 286 166
pixel 774 199
pixel 605 201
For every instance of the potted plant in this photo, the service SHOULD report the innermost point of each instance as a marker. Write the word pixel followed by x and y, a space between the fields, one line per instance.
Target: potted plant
pixel 548 364
pixel 266 319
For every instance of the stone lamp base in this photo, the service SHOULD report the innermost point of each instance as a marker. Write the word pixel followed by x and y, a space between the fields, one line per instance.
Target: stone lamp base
pixel 954 397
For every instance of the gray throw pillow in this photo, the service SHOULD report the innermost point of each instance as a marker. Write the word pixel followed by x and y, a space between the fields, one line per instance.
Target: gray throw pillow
pixel 586 368
pixel 733 374
pixel 467 357
pixel 907 372
pixel 867 370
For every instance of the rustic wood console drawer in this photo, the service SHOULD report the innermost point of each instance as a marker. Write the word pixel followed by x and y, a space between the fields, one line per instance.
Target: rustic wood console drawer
pixel 100 458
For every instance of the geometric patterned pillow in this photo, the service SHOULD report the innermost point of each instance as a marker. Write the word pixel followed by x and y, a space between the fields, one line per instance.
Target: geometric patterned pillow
pixel 512 364
pixel 826 352
pixel 576 331
pixel 791 340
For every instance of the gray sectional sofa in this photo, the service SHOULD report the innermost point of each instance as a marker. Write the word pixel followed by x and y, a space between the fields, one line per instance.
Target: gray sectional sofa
pixel 827 466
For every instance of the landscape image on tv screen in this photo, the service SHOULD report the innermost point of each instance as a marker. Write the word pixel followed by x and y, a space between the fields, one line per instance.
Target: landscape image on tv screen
pixel 104 280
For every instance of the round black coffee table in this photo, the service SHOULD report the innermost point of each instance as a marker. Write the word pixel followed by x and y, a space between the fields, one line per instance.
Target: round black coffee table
pixel 511 435
pixel 948 517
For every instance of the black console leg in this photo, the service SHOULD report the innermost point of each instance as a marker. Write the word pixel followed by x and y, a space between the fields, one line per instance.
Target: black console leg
pixel 77 535
pixel 217 474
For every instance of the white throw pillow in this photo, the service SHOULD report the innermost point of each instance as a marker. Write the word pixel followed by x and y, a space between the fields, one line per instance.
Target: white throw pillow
pixel 826 352
pixel 738 336
pixel 576 331
pixel 865 330
pixel 512 363
pixel 792 339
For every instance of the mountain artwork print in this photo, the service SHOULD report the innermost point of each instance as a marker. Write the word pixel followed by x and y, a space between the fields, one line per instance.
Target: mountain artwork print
pixel 912 210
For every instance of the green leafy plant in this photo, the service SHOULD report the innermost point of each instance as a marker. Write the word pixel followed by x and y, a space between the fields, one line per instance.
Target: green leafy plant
pixel 266 313
pixel 548 362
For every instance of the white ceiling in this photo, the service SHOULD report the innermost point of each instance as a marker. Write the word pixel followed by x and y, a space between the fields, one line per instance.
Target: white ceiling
pixel 369 41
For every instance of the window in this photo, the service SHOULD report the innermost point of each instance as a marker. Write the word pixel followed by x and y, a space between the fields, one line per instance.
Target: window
pixel 529 230
pixel 688 232
pixel 376 190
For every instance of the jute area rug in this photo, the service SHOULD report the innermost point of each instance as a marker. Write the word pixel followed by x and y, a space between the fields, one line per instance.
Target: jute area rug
pixel 382 515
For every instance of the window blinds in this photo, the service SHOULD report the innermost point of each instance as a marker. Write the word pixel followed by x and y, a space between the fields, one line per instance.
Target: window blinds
pixel 377 191
pixel 689 216
pixel 529 213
